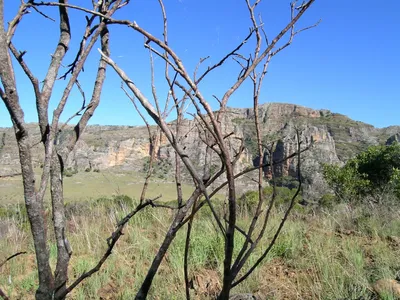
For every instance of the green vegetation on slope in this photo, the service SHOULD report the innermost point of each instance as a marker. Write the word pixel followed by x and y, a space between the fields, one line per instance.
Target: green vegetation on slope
pixel 339 127
pixel 373 174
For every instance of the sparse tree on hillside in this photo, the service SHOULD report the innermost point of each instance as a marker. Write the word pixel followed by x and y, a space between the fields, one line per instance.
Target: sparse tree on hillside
pixel 184 90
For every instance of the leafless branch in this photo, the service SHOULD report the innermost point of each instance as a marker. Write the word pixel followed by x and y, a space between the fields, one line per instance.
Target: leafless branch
pixel 186 254
pixel 293 32
pixel 183 92
pixel 11 257
pixel 83 107
pixel 263 31
pixel 19 57
pixel 77 7
pixel 88 32
pixel 43 14
pixel 233 52
pixel 111 242
pixel 153 85
pixel 3 295
pixel 163 56
pixel 240 174
pixel 243 232
pixel 283 221
pixel 237 265
pixel 12 25
pixel 266 52
pixel 216 98
pixel 255 26
pixel 153 139
pixel 198 66
pixel 178 104
pixel 78 85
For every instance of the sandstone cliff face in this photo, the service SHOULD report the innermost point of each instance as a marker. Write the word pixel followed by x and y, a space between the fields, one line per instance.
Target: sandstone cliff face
pixel 334 139
pixel 279 123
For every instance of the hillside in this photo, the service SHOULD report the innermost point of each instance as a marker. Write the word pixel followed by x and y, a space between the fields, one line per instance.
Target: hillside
pixel 335 139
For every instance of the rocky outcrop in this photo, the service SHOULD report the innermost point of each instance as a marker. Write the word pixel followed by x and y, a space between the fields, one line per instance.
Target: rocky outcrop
pixel 333 138
pixel 393 139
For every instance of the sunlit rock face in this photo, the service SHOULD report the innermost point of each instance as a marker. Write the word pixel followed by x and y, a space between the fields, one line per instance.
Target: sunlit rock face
pixel 331 138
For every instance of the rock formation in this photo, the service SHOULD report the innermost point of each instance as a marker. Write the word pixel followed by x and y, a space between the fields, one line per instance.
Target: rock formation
pixel 334 138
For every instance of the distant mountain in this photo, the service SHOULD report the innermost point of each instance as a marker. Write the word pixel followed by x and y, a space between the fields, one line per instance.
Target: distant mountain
pixel 335 139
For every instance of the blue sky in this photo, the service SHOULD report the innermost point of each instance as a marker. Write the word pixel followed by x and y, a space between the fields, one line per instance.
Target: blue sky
pixel 349 64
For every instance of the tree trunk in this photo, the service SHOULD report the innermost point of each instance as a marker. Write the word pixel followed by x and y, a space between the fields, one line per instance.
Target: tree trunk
pixel 63 248
pixel 35 210
pixel 34 204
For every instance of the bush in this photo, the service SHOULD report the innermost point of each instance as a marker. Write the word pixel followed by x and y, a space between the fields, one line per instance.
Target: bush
pixel 327 201
pixel 161 167
pixel 284 195
pixel 346 182
pixel 287 181
pixel 118 201
pixel 69 172
pixel 373 173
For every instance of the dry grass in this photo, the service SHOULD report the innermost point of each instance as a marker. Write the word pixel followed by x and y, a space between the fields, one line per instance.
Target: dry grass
pixel 92 185
pixel 326 255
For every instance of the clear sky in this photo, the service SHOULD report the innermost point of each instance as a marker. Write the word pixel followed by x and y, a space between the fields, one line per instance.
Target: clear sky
pixel 349 64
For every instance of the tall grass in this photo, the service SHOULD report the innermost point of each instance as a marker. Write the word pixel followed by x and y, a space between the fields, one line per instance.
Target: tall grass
pixel 332 254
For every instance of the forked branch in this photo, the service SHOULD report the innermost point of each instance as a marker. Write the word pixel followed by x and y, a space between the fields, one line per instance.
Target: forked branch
pixel 284 219
pixel 111 242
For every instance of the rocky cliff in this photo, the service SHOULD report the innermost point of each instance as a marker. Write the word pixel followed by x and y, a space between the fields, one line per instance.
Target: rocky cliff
pixel 334 138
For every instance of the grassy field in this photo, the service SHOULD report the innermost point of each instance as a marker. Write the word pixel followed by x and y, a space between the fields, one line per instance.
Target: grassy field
pixel 92 185
pixel 325 254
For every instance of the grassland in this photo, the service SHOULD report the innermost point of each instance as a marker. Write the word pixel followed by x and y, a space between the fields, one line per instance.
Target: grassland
pixel 92 185
pixel 335 253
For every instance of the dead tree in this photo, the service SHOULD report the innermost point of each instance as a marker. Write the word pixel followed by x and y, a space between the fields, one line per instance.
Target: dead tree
pixel 253 68
pixel 184 91
pixel 55 150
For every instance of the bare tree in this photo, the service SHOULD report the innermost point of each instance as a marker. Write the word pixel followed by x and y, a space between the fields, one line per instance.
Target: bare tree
pixel 183 91
pixel 56 150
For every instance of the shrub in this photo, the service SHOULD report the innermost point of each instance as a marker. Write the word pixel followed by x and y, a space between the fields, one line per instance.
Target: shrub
pixel 373 173
pixel 346 182
pixel 69 172
pixel 284 195
pixel 327 201
pixel 118 201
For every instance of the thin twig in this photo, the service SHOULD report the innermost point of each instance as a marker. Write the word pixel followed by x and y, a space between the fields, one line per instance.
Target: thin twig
pixel 3 295
pixel 153 140
pixel 12 25
pixel 240 174
pixel 43 14
pixel 249 240
pixel 111 242
pixel 11 257
pixel 283 221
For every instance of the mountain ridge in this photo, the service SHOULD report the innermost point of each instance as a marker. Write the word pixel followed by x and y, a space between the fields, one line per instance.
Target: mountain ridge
pixel 335 138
